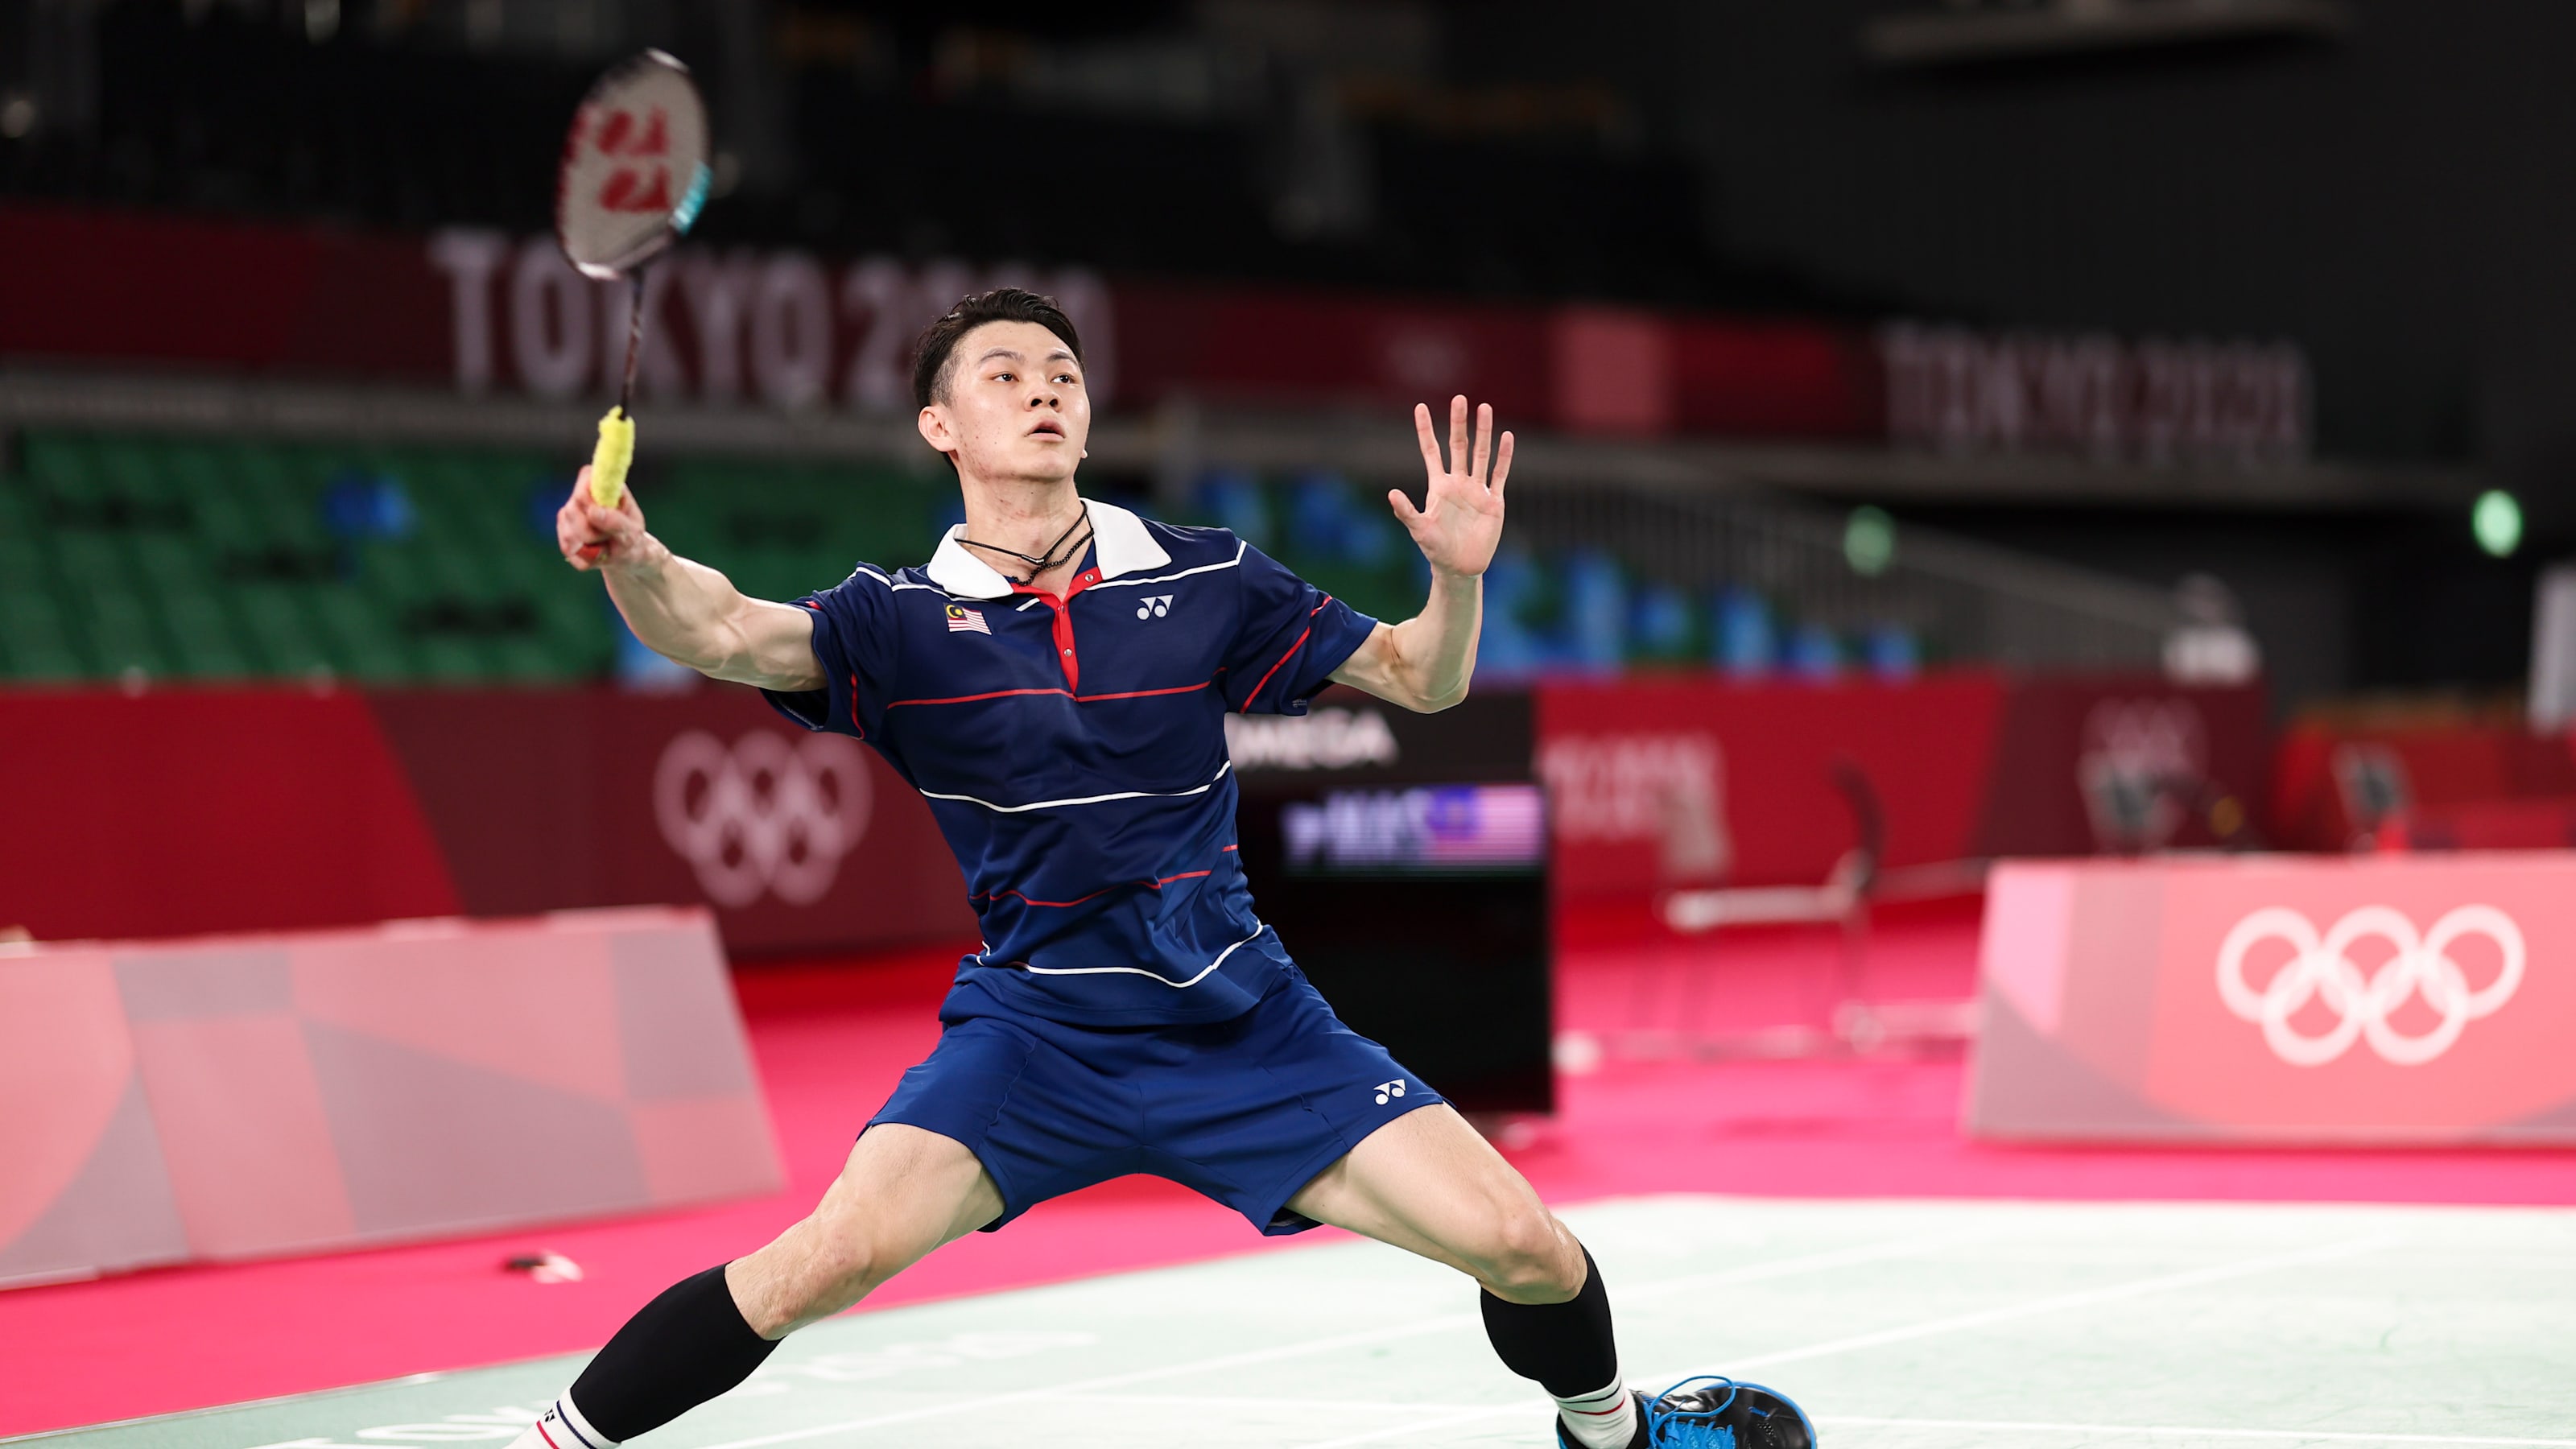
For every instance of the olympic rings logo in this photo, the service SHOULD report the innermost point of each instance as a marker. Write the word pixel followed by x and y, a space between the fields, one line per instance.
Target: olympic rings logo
pixel 764 815
pixel 2321 970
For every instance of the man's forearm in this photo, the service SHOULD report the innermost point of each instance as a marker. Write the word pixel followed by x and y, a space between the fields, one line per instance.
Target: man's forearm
pixel 1436 649
pixel 683 611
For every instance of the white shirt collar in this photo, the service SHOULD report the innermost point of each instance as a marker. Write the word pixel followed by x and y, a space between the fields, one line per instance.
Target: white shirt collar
pixel 1120 544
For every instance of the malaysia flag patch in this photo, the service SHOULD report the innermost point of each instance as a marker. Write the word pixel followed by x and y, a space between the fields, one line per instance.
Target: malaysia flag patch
pixel 963 620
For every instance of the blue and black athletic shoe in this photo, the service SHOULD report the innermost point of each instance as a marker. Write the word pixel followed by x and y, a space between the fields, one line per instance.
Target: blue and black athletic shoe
pixel 1717 1414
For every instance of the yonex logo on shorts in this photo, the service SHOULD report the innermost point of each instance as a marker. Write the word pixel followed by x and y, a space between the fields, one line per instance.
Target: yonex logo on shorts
pixel 1154 606
pixel 1386 1090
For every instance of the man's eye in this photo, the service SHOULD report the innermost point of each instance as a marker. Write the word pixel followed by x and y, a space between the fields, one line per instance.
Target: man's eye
pixel 1066 377
pixel 1002 377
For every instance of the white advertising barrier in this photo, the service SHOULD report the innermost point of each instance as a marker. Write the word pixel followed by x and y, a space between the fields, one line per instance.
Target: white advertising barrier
pixel 250 1096
pixel 2281 999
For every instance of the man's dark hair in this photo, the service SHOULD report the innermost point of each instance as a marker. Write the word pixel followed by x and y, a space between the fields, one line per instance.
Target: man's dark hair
pixel 1003 304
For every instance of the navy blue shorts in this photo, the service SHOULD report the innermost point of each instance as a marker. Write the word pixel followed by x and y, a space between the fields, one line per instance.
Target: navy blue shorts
pixel 1246 1111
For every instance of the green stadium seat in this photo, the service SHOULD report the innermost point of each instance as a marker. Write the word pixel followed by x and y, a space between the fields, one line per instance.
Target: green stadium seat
pixel 135 470
pixel 36 643
pixel 364 643
pixel 22 561
pixel 453 659
pixel 122 634
pixel 280 630
pixel 526 661
pixel 206 641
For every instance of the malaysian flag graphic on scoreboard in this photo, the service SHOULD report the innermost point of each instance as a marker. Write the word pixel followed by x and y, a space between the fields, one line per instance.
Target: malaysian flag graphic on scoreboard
pixel 964 620
pixel 1435 829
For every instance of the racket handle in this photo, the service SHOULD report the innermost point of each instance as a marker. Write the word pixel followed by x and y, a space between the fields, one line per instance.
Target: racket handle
pixel 611 458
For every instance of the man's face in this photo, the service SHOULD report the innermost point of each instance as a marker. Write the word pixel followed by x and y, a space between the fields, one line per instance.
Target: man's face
pixel 1014 408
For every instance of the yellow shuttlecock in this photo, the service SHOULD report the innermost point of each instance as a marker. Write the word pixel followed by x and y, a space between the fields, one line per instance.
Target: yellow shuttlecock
pixel 610 460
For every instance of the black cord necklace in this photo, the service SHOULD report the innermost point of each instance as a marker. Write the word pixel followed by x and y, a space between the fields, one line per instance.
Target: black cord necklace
pixel 1057 553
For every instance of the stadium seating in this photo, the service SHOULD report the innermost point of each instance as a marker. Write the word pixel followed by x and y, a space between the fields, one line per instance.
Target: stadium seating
pixel 143 559
pixel 148 559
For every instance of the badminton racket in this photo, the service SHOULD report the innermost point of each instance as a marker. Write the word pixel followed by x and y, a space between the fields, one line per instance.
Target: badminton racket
pixel 634 176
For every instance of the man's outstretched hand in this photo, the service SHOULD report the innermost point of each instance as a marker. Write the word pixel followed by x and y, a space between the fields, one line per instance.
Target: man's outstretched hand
pixel 591 536
pixel 1461 517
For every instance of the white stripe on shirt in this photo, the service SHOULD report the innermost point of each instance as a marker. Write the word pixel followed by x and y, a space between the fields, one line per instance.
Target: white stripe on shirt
pixel 1141 971
pixel 1088 799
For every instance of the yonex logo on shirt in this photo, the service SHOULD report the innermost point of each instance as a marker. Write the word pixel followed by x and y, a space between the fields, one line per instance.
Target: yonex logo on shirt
pixel 1154 607
pixel 1386 1090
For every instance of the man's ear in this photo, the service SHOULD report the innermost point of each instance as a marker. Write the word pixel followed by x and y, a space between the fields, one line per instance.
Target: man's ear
pixel 933 423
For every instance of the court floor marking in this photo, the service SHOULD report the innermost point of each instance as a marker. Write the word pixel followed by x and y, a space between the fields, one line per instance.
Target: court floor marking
pixel 2175 1431
pixel 1954 1323
pixel 1215 1401
pixel 1853 1421
pixel 1751 1272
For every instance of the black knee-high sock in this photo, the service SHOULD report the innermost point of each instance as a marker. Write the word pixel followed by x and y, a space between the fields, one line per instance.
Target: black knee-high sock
pixel 681 1350
pixel 1565 1346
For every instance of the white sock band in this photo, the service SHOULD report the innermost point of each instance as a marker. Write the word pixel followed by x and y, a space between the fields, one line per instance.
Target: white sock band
pixel 1602 1419
pixel 564 1428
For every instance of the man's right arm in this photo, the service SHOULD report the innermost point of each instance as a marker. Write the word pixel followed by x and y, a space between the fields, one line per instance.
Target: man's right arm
pixel 685 611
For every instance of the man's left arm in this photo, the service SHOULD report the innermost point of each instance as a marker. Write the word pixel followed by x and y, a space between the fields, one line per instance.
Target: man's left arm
pixel 1424 663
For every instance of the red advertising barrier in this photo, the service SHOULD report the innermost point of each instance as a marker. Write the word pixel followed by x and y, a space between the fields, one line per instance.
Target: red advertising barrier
pixel 184 811
pixel 2280 999
pixel 256 1095
pixel 1696 781
pixel 2449 786
pixel 1686 781
pixel 190 811
pixel 126 286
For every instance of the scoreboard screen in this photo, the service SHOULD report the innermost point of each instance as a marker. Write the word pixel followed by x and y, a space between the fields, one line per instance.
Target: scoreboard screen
pixel 1403 859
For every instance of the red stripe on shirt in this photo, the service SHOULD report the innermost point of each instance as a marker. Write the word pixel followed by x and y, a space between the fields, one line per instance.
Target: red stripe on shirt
pixel 1145 693
pixel 1104 890
pixel 1076 698
pixel 971 698
pixel 1274 669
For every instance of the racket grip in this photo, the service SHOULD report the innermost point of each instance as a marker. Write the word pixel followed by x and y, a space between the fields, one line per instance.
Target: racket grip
pixel 611 458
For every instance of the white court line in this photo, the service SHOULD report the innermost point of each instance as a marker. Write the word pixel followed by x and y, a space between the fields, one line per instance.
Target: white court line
pixel 1203 1401
pixel 1808 1263
pixel 1854 1421
pixel 2084 1298
pixel 2170 1431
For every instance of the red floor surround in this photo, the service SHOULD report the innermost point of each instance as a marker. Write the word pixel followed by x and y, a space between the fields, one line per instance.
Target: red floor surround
pixel 831 1041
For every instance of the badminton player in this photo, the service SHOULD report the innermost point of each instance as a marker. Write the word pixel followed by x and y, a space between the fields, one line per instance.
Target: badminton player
pixel 1053 682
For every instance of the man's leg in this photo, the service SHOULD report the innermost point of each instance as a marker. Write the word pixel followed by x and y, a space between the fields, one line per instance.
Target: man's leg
pixel 903 1192
pixel 1428 1183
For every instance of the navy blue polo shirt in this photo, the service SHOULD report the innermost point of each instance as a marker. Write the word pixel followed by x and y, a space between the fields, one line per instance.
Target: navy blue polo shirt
pixel 1073 751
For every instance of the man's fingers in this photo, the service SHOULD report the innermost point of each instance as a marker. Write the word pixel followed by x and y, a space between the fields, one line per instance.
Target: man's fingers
pixel 1458 433
pixel 1484 439
pixel 1405 512
pixel 1430 441
pixel 1502 468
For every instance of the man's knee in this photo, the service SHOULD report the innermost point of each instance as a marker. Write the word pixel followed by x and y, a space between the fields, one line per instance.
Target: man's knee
pixel 808 1274
pixel 1526 1256
pixel 843 1269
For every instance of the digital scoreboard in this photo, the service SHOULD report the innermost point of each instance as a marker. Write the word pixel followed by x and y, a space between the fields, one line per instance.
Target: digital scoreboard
pixel 1403 859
